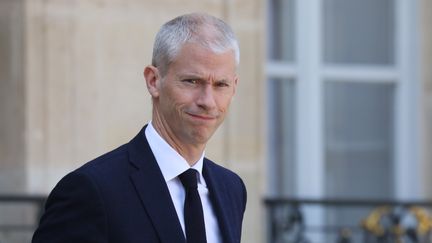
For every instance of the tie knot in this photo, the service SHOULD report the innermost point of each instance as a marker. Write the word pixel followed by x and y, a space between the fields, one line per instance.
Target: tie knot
pixel 189 178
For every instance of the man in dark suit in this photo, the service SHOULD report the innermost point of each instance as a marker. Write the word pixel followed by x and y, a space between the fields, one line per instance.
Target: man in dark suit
pixel 159 187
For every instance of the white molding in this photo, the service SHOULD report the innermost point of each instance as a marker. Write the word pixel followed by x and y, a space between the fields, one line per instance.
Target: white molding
pixel 406 176
pixel 310 159
pixel 363 73
pixel 309 119
pixel 280 70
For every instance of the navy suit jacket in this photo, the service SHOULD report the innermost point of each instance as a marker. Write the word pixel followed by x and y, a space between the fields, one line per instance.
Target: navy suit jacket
pixel 122 197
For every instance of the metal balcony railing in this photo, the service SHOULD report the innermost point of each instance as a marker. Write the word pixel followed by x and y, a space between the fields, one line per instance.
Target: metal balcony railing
pixel 300 220
pixel 19 216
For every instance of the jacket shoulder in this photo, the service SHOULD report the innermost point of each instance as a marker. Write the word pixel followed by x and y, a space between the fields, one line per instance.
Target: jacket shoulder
pixel 231 180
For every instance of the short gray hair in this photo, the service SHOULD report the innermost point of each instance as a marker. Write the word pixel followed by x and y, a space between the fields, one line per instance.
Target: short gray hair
pixel 203 29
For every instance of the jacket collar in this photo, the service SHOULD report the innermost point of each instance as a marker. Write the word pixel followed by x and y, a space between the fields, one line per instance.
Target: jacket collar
pixel 153 191
pixel 154 194
pixel 218 196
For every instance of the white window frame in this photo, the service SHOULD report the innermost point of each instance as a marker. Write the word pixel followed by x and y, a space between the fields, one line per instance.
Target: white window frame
pixel 310 73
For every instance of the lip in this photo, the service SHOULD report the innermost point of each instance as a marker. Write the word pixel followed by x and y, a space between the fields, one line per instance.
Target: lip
pixel 202 117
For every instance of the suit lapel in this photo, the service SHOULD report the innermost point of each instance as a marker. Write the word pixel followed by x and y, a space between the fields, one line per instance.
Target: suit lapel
pixel 218 197
pixel 153 191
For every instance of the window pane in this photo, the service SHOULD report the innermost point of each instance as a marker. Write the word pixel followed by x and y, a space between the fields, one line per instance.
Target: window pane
pixel 359 121
pixel 282 110
pixel 282 32
pixel 359 31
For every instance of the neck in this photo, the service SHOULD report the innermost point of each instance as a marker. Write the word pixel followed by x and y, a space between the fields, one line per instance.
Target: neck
pixel 190 152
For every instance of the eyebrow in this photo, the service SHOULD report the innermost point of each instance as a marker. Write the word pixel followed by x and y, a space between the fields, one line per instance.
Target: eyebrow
pixel 199 77
pixel 189 76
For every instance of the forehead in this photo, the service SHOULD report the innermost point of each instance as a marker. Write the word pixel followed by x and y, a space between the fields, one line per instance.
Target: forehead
pixel 195 59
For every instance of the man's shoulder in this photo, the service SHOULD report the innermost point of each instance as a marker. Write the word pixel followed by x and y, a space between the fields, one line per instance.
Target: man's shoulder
pixel 115 157
pixel 216 167
pixel 227 181
pixel 221 171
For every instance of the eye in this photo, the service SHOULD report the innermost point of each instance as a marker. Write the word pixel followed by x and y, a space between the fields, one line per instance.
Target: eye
pixel 222 84
pixel 190 81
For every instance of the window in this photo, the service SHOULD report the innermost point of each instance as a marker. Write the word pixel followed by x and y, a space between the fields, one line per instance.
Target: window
pixel 341 103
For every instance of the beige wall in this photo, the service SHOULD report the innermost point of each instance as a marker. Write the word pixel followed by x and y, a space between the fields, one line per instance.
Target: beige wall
pixel 72 87
pixel 12 117
pixel 12 97
pixel 425 10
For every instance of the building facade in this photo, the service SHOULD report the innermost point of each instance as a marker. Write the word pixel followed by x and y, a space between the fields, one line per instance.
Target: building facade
pixel 334 97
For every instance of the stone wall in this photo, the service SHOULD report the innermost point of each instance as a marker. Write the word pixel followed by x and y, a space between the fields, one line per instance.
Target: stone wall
pixel 425 18
pixel 12 97
pixel 12 118
pixel 72 88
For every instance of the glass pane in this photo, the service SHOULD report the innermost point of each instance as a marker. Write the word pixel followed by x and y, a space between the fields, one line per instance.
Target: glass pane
pixel 359 120
pixel 359 31
pixel 282 132
pixel 282 32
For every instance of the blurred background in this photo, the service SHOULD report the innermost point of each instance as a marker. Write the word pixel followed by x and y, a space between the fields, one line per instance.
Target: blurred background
pixel 331 126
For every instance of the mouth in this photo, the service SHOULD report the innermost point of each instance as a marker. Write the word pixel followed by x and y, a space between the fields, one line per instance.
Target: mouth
pixel 203 117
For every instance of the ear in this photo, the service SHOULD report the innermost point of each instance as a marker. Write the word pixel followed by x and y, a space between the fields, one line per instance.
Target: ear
pixel 235 84
pixel 153 79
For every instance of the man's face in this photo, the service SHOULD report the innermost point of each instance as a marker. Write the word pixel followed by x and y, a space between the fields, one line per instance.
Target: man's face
pixel 192 99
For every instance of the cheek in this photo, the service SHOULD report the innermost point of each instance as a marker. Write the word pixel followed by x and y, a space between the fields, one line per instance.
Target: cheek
pixel 177 101
pixel 224 102
pixel 183 97
pixel 167 105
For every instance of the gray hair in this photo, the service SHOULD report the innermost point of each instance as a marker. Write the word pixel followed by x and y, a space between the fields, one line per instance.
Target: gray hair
pixel 203 29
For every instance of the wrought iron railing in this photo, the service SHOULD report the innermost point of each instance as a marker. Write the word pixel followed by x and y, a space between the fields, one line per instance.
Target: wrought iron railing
pixel 19 216
pixel 299 220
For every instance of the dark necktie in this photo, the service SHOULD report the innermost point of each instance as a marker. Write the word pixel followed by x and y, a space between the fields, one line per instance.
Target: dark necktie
pixel 193 212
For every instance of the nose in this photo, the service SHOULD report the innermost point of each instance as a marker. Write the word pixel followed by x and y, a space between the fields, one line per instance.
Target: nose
pixel 206 98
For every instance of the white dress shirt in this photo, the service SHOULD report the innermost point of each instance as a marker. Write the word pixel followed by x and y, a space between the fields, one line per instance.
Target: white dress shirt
pixel 172 164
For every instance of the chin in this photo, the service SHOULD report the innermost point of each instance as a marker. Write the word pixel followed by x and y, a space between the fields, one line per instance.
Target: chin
pixel 201 138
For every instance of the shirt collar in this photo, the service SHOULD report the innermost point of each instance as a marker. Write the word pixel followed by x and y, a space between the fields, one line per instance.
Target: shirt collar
pixel 170 162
